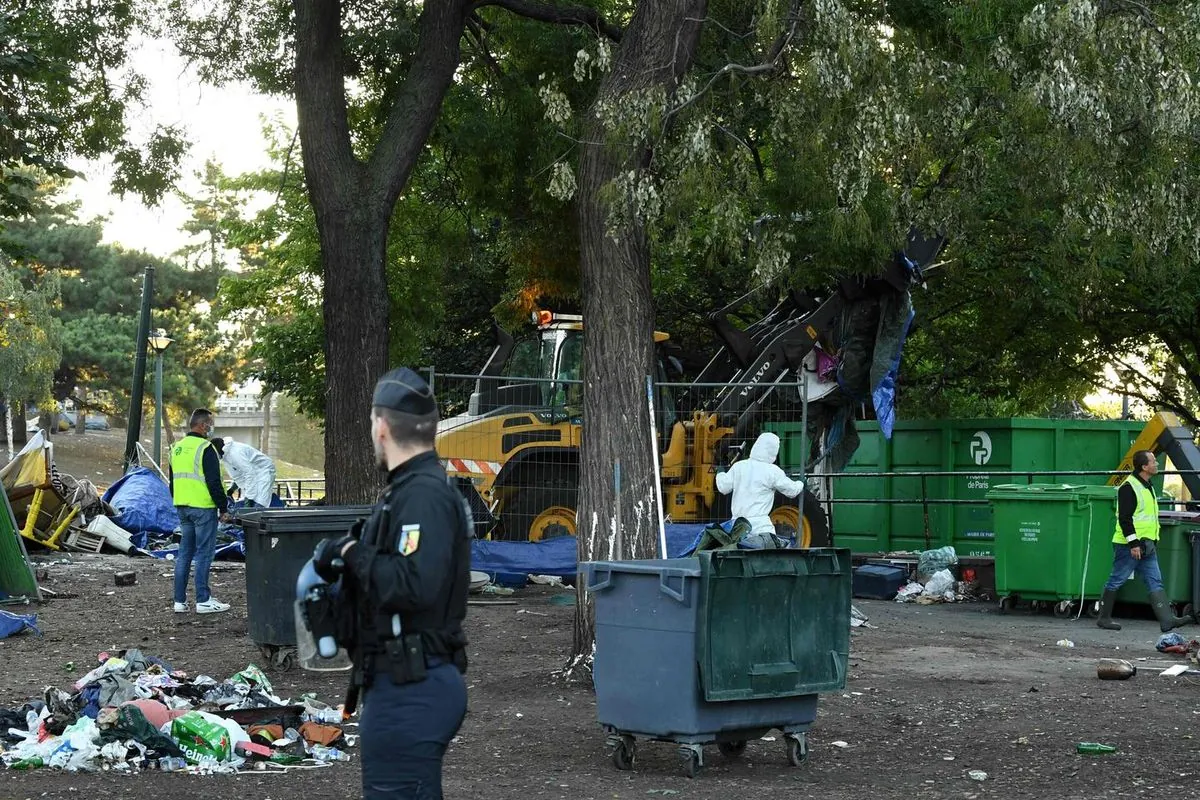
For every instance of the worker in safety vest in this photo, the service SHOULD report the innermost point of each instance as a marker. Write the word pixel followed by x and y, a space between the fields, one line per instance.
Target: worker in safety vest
pixel 1135 545
pixel 200 500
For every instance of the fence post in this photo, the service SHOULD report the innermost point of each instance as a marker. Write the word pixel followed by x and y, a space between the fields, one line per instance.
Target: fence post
pixel 804 459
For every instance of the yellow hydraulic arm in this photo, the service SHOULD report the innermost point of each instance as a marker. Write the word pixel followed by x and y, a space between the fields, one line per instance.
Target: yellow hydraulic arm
pixel 1165 434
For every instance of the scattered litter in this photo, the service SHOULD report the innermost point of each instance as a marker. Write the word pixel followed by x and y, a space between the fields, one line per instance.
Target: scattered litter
pixel 533 613
pixel 1021 740
pixel 767 739
pixel 909 592
pixel 134 712
pixel 125 578
pixel 947 758
pixel 1115 669
pixel 496 589
pixel 662 791
pixel 977 775
pixel 1174 643
pixel 1094 748
pixel 1178 669
pixel 840 744
pixel 940 582
pixel 1065 643
pixel 858 619
pixel 547 580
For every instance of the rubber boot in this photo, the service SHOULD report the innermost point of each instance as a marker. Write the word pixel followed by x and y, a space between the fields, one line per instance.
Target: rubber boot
pixel 1107 601
pixel 1162 609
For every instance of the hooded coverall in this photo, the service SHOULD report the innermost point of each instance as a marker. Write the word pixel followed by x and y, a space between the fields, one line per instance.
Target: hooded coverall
pixel 754 482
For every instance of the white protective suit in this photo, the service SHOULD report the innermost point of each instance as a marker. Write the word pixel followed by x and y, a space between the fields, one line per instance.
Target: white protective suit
pixel 754 482
pixel 251 470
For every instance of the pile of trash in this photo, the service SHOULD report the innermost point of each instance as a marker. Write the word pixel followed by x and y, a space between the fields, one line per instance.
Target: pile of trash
pixel 940 586
pixel 134 712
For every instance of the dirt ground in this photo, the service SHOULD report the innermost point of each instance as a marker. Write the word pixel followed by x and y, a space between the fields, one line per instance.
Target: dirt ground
pixel 934 693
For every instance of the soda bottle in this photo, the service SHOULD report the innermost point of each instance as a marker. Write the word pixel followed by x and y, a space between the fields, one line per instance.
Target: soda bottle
pixel 28 763
pixel 1115 669
pixel 1094 748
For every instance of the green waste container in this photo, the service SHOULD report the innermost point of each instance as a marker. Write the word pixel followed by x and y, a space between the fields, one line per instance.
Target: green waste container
pixel 1174 561
pixel 1053 542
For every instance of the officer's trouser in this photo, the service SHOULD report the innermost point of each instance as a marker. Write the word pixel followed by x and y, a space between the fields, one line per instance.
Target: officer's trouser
pixel 405 730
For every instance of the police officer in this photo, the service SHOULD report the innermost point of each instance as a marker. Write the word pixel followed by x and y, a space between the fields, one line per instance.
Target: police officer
pixel 405 575
pixel 1135 544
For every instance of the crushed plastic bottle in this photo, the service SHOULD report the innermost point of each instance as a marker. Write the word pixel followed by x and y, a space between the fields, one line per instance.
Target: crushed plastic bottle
pixel 172 763
pixel 28 763
pixel 323 753
pixel 1094 748
pixel 324 716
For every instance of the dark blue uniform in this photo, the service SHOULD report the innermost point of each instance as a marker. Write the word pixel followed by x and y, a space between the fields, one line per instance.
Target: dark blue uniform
pixel 408 579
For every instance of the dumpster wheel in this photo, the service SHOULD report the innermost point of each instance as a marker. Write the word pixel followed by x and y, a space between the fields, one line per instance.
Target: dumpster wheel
pixel 280 657
pixel 624 754
pixel 797 748
pixel 693 759
pixel 1063 608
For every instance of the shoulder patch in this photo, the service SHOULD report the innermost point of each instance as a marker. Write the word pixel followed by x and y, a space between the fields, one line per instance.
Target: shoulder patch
pixel 410 539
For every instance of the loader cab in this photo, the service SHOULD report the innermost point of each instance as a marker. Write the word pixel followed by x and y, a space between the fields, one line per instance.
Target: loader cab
pixel 543 370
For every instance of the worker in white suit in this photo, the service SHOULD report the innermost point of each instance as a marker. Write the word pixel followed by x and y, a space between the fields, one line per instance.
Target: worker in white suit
pixel 754 482
pixel 251 470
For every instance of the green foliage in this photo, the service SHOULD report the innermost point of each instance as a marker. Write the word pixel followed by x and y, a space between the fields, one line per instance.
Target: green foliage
pixel 100 287
pixel 67 90
pixel 30 336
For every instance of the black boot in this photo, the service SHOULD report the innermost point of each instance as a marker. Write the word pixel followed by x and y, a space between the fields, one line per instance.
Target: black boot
pixel 1162 610
pixel 1106 608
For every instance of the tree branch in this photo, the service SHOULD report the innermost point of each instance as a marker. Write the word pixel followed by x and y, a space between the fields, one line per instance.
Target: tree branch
pixel 323 124
pixel 415 110
pixel 770 64
pixel 588 18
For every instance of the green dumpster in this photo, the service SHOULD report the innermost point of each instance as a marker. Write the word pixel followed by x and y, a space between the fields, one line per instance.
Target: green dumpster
pixel 1174 561
pixel 1053 543
pixel 973 449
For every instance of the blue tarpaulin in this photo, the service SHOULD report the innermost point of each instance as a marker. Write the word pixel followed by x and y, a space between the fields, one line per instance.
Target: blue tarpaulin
pixel 510 563
pixel 143 502
pixel 230 545
pixel 11 624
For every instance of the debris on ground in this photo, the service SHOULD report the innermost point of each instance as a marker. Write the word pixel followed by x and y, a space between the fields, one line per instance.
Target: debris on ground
pixel 858 619
pixel 933 561
pixel 1065 643
pixel 1115 669
pixel 135 712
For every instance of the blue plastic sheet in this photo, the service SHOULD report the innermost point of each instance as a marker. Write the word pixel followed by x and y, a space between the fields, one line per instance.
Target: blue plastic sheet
pixel 883 396
pixel 231 545
pixel 12 624
pixel 510 563
pixel 143 502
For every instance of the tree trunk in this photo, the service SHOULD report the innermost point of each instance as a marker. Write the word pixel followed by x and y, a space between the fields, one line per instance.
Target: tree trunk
pixel 353 203
pixel 655 51
pixel 356 352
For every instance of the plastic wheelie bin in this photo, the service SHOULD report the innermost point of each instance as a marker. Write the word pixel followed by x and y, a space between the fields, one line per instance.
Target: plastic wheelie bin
pixel 1053 544
pixel 1174 561
pixel 278 542
pixel 718 649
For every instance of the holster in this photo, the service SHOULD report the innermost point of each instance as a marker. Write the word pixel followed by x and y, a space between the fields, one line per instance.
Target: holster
pixel 406 659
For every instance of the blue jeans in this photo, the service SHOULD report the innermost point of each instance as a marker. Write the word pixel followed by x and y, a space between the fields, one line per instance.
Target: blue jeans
pixel 1125 565
pixel 197 542
pixel 405 730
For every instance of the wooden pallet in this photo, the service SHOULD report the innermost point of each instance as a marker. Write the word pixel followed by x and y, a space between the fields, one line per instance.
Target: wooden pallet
pixel 84 540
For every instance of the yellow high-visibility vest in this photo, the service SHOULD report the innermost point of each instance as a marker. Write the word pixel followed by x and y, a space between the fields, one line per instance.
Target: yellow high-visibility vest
pixel 187 471
pixel 1145 516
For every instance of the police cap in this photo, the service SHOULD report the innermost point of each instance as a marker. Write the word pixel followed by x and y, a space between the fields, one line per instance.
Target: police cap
pixel 404 390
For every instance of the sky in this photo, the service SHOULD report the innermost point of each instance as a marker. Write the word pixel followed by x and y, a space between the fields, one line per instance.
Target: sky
pixel 223 124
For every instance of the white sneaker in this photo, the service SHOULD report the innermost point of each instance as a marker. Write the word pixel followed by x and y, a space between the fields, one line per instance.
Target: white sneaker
pixel 181 608
pixel 212 606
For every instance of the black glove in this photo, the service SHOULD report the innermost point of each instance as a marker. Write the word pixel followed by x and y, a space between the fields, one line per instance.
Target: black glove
pixel 1147 546
pixel 327 557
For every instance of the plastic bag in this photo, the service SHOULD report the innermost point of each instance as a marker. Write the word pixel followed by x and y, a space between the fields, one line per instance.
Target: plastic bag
pixel 941 582
pixel 932 561
pixel 909 592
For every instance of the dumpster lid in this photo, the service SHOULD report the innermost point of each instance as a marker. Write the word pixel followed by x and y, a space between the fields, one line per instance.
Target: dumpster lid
pixel 773 623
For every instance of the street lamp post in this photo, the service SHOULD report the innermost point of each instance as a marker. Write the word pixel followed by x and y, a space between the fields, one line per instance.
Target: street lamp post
pixel 158 342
